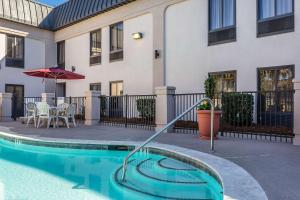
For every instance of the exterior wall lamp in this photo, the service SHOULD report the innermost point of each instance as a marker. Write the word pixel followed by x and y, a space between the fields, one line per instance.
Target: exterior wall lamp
pixel 137 36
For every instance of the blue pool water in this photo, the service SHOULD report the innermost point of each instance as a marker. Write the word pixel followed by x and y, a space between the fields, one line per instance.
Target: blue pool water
pixel 45 173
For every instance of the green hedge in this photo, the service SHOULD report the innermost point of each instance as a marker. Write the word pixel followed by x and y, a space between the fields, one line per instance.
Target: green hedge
pixel 103 101
pixel 146 108
pixel 237 109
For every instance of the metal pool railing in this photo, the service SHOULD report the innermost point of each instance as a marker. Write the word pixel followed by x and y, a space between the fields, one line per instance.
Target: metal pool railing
pixel 168 126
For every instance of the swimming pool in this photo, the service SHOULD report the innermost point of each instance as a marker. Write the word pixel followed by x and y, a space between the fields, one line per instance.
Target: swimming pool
pixel 38 172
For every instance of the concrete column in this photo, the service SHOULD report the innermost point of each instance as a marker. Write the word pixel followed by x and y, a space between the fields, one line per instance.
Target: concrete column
pixel 159 45
pixel 165 106
pixel 5 106
pixel 92 107
pixel 49 98
pixel 159 36
pixel 297 112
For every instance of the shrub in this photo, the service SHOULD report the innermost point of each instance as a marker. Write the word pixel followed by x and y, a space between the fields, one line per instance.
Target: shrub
pixel 237 109
pixel 209 86
pixel 103 101
pixel 146 108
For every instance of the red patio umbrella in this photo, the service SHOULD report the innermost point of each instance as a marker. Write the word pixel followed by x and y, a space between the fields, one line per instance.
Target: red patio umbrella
pixel 54 73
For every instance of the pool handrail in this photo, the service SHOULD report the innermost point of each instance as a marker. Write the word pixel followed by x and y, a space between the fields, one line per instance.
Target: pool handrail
pixel 125 162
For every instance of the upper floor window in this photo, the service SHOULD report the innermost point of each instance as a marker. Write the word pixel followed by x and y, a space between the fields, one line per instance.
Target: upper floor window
pixel 221 21
pixel 275 16
pixel 95 47
pixel 116 41
pixel 14 51
pixel 273 8
pixel 225 81
pixel 61 54
pixel 222 14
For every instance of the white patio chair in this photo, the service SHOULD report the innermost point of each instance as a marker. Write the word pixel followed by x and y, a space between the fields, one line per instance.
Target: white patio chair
pixel 31 113
pixel 69 114
pixel 61 110
pixel 43 112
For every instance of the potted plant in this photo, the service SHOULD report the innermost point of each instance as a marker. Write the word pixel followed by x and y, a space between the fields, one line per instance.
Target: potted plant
pixel 204 112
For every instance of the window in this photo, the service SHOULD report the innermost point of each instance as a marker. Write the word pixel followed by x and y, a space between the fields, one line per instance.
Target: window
pixel 276 78
pixel 222 14
pixel 95 47
pixel 275 16
pixel 116 88
pixel 14 51
pixel 276 88
pixel 272 8
pixel 225 81
pixel 221 21
pixel 18 96
pixel 116 41
pixel 95 86
pixel 61 54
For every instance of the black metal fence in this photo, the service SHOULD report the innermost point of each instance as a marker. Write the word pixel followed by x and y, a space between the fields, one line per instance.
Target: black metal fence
pixel 128 110
pixel 80 105
pixel 253 113
pixel 188 123
pixel 30 100
pixel 19 105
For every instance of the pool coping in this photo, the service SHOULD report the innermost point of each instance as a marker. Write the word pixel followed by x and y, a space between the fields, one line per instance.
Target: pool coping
pixel 237 183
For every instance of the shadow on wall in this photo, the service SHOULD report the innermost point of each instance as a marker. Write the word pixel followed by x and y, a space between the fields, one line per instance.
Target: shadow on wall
pixel 50 85
pixel 2 65
pixel 20 63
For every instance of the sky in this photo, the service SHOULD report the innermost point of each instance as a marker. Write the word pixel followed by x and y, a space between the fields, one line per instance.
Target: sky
pixel 52 2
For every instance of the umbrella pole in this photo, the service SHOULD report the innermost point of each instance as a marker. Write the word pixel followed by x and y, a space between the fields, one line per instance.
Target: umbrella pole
pixel 55 93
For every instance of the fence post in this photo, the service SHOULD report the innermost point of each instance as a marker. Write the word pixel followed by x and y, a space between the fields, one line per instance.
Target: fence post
pixel 92 107
pixel 5 107
pixel 126 110
pixel 165 106
pixel 296 112
pixel 49 98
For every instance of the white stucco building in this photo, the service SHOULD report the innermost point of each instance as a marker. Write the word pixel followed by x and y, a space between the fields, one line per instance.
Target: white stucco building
pixel 245 45
pixel 134 46
pixel 23 47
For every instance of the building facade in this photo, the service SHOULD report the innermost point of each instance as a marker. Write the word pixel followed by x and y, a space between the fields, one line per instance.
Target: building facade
pixel 245 45
pixel 131 47
pixel 24 46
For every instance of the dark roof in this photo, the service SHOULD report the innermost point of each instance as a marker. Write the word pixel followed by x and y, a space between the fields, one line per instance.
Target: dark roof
pixel 25 11
pixel 40 15
pixel 77 10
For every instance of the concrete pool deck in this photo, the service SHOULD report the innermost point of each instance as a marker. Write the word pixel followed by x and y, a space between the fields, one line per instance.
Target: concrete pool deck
pixel 274 165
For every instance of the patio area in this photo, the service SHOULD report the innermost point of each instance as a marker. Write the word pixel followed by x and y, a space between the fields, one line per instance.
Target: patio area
pixel 274 165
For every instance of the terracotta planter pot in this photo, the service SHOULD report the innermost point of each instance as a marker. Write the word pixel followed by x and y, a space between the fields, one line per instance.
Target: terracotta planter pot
pixel 204 123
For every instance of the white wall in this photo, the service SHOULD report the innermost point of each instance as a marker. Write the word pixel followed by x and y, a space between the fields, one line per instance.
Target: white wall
pixel 189 58
pixel 135 70
pixel 34 58
pixel 40 52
